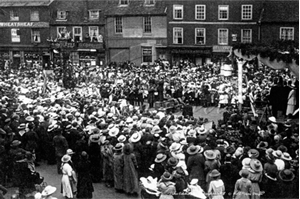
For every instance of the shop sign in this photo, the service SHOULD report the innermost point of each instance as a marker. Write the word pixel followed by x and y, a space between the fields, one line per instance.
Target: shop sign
pixel 191 51
pixel 63 44
pixel 222 49
pixel 24 24
pixel 90 45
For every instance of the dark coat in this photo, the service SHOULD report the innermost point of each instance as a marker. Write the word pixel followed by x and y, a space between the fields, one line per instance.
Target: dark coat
pixel 85 185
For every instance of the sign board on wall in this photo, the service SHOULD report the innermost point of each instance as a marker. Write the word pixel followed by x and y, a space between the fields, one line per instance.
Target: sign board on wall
pixel 24 24
pixel 222 49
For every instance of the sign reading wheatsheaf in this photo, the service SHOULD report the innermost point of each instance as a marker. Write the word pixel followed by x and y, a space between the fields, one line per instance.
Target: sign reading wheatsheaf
pixel 24 24
pixel 73 45
pixel 221 49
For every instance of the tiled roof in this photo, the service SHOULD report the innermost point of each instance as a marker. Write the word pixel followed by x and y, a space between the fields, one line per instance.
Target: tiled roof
pixel 136 7
pixel 281 11
pixel 24 3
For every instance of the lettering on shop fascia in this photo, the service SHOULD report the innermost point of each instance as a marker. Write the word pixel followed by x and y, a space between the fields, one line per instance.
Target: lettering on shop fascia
pixel 24 24
pixel 222 48
pixel 65 44
pixel 186 51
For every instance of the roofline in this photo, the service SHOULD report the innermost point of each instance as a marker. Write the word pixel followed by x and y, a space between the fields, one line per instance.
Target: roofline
pixel 48 4
pixel 134 15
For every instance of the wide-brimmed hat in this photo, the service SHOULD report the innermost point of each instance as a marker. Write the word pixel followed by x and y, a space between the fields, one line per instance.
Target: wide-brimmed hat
pixel 118 147
pixel 122 138
pixel 135 137
pixel 66 158
pixel 95 138
pixel 166 176
pixel 215 173
pixel 286 156
pixel 29 119
pixel 277 154
pixel 160 158
pixel 15 143
pixel 2 132
pixel 256 165
pixel 210 154
pixel 194 181
pixel 175 147
pixel 48 190
pixel 246 163
pixel 286 175
pixel 113 132
pixel 272 119
pixel 288 124
pixel 253 153
pixel 22 126
pixel 172 161
pixel 194 149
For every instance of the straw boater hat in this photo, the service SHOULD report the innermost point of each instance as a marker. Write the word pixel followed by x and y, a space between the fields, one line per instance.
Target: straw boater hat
pixel 194 181
pixel 66 158
pixel 210 154
pixel 113 132
pixel 70 152
pixel 272 119
pixel 202 130
pixel 277 154
pixel 256 165
pixel 118 147
pixel 214 173
pixel 194 149
pixel 122 138
pixel 15 143
pixel 135 137
pixel 175 147
pixel 246 163
pixel 253 153
pixel 160 158
pixel 29 119
pixel 95 138
pixel 48 190
pixel 286 156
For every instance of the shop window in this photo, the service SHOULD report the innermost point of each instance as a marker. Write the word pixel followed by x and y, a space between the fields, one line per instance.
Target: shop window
pixel 93 14
pixel 178 35
pixel 15 35
pixel 287 33
pixel 246 12
pixel 200 12
pixel 77 33
pixel 147 54
pixel 246 36
pixel 35 36
pixel 34 16
pixel 124 2
pixel 200 35
pixel 178 11
pixel 61 15
pixel 118 25
pixel 149 2
pixel 223 12
pixel 147 25
pixel 14 15
pixel 223 36
pixel 94 33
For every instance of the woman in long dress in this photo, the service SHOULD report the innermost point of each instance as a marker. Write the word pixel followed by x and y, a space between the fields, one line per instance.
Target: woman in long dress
pixel 68 179
pixel 131 184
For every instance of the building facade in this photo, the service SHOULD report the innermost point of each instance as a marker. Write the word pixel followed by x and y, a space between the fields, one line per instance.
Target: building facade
pixel 284 25
pixel 204 31
pixel 136 31
pixel 77 32
pixel 24 28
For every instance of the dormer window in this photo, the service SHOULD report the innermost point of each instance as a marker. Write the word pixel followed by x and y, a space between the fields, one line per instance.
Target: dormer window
pixel 61 15
pixel 93 14
pixel 149 2
pixel 124 2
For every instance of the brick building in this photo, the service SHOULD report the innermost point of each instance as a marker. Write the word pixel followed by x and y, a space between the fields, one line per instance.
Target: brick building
pixel 204 31
pixel 77 31
pixel 136 30
pixel 24 28
pixel 279 20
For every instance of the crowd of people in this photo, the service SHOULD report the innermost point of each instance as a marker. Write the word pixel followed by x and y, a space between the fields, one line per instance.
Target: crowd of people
pixel 109 128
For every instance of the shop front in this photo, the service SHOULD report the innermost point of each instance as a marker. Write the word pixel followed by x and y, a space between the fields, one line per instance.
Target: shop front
pixel 195 55
pixel 79 53
pixel 220 54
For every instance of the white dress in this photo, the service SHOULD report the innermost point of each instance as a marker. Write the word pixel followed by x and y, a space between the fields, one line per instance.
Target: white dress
pixel 65 181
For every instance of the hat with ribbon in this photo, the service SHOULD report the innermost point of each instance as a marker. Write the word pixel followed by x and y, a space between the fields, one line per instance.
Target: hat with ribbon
pixel 160 158
pixel 194 149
